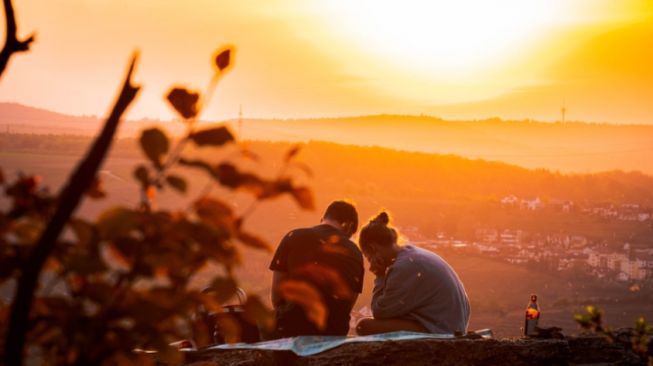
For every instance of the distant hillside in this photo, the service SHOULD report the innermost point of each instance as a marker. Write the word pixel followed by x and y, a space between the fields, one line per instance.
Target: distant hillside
pixel 569 147
pixel 428 191
pixel 18 118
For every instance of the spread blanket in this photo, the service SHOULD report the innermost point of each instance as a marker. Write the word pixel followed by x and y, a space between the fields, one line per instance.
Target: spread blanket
pixel 311 345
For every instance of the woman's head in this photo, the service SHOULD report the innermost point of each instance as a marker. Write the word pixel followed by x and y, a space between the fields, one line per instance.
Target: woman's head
pixel 378 239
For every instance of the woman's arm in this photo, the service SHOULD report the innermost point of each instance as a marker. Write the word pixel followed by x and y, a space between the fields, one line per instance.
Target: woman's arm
pixel 398 292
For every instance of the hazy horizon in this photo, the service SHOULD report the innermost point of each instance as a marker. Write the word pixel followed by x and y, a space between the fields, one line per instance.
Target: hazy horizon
pixel 329 59
pixel 479 118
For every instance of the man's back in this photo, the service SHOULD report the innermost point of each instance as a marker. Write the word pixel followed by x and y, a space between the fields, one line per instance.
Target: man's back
pixel 329 261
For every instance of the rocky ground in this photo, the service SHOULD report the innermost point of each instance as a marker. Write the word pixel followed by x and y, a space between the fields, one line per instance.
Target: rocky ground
pixel 583 350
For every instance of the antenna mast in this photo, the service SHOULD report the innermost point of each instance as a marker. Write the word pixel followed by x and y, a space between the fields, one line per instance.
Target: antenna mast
pixel 563 110
pixel 240 122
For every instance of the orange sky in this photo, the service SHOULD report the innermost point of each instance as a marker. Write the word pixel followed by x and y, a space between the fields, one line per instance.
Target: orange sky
pixel 315 58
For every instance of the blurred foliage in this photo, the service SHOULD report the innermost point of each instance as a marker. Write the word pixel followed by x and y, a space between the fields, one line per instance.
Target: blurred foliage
pixel 122 282
pixel 639 339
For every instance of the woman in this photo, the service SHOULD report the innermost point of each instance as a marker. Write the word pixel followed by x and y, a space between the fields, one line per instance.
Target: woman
pixel 415 289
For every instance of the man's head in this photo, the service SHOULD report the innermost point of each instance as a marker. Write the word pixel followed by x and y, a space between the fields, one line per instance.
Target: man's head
pixel 344 215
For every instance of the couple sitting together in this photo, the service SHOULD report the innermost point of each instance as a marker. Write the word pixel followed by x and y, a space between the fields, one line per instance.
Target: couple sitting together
pixel 414 290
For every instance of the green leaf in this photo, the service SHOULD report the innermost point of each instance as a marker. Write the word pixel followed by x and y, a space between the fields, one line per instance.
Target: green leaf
pixel 177 183
pixel 155 144
pixel 223 59
pixel 184 102
pixel 117 222
pixel 217 136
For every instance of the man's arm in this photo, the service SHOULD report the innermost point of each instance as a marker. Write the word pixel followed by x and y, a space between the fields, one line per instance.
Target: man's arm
pixel 279 268
pixel 275 296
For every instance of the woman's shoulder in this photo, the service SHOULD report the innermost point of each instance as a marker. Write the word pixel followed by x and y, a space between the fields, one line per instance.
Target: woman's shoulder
pixel 417 257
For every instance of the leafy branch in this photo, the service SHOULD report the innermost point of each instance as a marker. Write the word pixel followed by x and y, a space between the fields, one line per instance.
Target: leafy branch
pixel 639 340
pixel 70 197
pixel 124 282
pixel 12 44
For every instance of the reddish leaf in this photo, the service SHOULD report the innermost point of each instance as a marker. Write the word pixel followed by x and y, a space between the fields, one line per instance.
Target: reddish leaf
pixel 177 183
pixel 214 212
pixel 150 193
pixel 184 102
pixel 96 190
pixel 229 328
pixel 155 144
pixel 254 241
pixel 52 264
pixel 117 222
pixel 84 231
pixel 223 288
pixel 305 168
pixel 223 59
pixel 197 164
pixel 326 277
pixel 292 152
pixel 142 174
pixel 115 259
pixel 256 312
pixel 212 137
pixel 304 197
pixel 308 297
pixel 229 176
pixel 210 302
pixel 27 230
pixel 249 154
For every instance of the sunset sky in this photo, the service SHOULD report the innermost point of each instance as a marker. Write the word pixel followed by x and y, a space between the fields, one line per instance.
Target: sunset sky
pixel 316 58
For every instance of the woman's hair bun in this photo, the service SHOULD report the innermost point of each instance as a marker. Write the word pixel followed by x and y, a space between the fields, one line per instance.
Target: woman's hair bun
pixel 382 218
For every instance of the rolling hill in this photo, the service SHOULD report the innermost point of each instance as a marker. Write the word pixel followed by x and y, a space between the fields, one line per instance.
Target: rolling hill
pixel 567 147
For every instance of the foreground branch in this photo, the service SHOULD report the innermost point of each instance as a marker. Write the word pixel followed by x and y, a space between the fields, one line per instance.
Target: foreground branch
pixel 12 44
pixel 69 199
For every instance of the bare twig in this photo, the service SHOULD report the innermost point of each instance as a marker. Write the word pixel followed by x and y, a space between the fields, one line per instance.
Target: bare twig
pixel 70 198
pixel 12 44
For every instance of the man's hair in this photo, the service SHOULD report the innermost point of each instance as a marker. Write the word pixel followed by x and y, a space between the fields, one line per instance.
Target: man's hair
pixel 344 213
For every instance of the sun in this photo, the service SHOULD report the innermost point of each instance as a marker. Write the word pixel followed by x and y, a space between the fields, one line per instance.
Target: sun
pixel 446 38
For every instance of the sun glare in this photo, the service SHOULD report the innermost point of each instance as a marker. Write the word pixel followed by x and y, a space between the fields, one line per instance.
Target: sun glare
pixel 450 38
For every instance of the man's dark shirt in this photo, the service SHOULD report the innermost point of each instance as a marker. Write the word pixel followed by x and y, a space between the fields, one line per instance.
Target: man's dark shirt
pixel 328 260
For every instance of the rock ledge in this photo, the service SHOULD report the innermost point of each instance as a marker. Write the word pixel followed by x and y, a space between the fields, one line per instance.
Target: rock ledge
pixel 583 350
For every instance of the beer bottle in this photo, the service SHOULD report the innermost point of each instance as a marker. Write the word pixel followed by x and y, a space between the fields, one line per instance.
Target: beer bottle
pixel 532 317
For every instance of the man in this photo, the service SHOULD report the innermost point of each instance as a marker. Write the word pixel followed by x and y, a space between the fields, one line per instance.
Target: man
pixel 322 258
